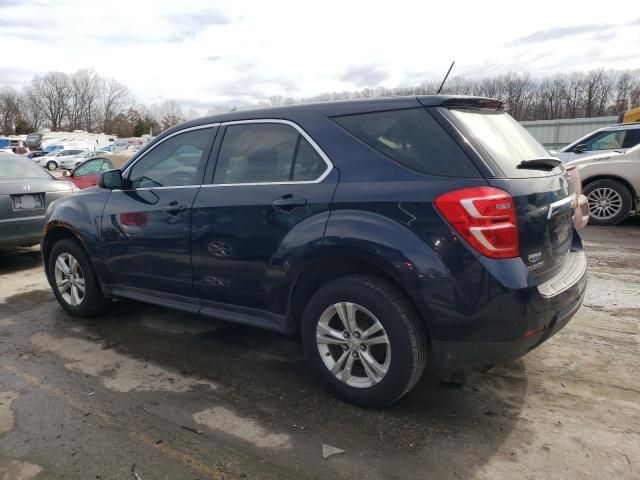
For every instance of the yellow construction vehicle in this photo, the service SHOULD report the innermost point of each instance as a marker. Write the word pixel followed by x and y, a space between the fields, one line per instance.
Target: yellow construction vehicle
pixel 630 116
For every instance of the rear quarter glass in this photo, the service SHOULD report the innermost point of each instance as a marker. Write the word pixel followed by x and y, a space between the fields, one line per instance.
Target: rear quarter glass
pixel 412 138
pixel 501 138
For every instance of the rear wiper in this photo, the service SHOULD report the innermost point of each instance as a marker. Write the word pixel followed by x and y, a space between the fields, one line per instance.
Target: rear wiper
pixel 542 163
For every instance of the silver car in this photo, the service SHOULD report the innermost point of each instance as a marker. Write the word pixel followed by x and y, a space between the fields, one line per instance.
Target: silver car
pixel 26 191
pixel 611 183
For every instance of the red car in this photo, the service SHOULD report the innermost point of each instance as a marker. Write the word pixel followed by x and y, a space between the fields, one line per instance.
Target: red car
pixel 86 174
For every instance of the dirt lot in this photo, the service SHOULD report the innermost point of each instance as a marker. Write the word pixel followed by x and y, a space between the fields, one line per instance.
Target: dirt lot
pixel 91 399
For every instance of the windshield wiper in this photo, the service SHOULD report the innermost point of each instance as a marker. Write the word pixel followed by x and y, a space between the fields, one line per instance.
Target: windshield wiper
pixel 542 163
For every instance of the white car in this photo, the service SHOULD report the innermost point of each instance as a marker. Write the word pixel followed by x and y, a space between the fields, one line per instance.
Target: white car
pixel 604 140
pixel 611 182
pixel 54 159
pixel 72 161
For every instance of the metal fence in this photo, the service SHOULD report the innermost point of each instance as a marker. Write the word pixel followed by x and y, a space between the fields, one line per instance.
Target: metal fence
pixel 555 134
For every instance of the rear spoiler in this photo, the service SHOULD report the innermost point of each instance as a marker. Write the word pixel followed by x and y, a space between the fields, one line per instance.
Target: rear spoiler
pixel 460 101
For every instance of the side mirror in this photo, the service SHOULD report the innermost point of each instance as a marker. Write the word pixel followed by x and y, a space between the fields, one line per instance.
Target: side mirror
pixel 581 148
pixel 66 173
pixel 111 179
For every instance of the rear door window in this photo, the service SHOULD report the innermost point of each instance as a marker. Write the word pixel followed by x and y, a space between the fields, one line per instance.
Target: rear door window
pixel 411 137
pixel 266 153
pixel 632 138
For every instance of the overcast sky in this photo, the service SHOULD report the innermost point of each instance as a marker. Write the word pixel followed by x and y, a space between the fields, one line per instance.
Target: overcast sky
pixel 209 52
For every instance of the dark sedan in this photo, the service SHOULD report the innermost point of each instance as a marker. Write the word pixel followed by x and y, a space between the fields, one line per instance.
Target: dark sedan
pixel 26 190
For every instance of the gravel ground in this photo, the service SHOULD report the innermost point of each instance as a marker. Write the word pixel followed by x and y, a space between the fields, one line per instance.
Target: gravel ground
pixel 170 396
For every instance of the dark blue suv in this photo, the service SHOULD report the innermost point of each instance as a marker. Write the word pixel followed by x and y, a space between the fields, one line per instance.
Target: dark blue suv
pixel 387 231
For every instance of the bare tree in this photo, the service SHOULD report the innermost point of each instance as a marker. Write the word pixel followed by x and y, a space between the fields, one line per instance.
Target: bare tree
pixel 83 103
pixel 53 91
pixel 114 98
pixel 9 110
pixel 32 110
pixel 170 114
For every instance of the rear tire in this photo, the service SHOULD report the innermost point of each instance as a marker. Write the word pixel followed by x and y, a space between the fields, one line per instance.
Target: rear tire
pixel 74 281
pixel 385 346
pixel 51 165
pixel 609 202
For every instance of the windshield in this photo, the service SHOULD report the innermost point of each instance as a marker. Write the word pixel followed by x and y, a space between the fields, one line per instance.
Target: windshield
pixel 502 137
pixel 18 167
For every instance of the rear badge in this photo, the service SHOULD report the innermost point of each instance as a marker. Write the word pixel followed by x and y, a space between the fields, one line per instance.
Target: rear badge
pixel 534 257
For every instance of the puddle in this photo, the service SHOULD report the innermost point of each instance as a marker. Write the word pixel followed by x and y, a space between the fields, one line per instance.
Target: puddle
pixel 179 324
pixel 6 415
pixel 117 371
pixel 223 420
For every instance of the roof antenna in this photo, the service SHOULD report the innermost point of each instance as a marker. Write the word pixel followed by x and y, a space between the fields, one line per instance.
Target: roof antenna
pixel 445 78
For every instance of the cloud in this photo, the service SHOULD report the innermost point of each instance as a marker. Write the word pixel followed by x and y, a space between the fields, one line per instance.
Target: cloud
pixel 15 76
pixel 560 32
pixel 207 53
pixel 599 31
pixel 364 75
pixel 193 21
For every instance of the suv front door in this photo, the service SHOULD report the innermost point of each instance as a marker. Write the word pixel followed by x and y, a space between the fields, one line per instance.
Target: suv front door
pixel 145 227
pixel 269 200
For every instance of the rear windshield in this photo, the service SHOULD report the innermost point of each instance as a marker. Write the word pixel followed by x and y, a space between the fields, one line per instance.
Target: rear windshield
pixel 20 167
pixel 411 137
pixel 502 137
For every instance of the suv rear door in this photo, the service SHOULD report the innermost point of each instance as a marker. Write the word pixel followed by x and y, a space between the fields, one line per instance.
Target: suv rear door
pixel 542 194
pixel 265 206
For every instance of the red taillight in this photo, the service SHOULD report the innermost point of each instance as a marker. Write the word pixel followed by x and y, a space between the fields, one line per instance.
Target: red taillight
pixel 485 217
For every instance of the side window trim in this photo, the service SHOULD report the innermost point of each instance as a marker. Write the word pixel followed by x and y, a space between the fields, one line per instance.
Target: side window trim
pixel 127 171
pixel 302 134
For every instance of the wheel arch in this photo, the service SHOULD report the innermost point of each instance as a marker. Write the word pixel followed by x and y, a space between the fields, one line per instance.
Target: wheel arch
pixel 54 234
pixel 333 266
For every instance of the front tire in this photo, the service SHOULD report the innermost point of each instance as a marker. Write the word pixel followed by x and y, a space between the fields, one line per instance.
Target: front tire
pixel 74 281
pixel 609 202
pixel 364 340
pixel 51 165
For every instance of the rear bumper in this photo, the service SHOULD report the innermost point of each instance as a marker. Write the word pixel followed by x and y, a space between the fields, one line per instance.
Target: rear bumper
pixel 511 323
pixel 21 232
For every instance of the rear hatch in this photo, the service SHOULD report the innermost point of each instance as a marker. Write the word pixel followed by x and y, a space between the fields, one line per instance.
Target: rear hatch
pixel 539 185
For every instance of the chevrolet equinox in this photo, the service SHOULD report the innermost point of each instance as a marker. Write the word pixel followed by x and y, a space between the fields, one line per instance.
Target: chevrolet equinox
pixel 386 231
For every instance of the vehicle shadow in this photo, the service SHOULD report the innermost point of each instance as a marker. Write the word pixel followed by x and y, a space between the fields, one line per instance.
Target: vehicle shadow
pixel 18 259
pixel 448 430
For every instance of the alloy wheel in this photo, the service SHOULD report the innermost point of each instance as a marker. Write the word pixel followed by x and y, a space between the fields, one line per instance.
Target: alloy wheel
pixel 70 280
pixel 604 203
pixel 353 344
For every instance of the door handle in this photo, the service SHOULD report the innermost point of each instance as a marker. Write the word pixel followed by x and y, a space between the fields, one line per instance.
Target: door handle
pixel 173 208
pixel 288 203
